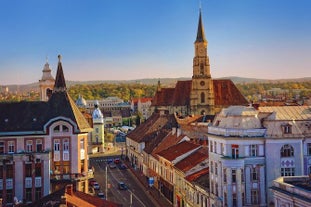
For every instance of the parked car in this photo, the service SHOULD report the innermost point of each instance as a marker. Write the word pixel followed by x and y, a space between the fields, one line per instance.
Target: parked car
pixel 117 161
pixel 122 186
pixel 101 195
pixel 94 184
pixel 112 165
pixel 122 167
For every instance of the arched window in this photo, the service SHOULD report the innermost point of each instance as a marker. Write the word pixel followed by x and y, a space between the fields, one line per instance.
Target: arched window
pixel 56 129
pixel 287 151
pixel 65 128
pixel 202 97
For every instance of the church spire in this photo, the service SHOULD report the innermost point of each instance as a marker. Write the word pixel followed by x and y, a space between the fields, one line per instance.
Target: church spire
pixel 60 84
pixel 200 33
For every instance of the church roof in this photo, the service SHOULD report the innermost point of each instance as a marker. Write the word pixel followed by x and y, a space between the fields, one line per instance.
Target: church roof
pixel 225 92
pixel 200 33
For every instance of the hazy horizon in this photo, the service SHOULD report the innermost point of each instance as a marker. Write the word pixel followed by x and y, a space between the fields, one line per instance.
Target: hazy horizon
pixel 129 40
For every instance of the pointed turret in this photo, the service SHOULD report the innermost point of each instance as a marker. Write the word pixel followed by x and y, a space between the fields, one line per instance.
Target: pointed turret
pixel 60 84
pixel 200 33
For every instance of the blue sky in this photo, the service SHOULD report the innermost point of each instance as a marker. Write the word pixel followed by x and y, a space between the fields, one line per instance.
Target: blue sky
pixel 134 39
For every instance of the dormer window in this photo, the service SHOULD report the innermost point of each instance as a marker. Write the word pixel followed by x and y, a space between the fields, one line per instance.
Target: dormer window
pixel 287 129
pixel 65 128
pixel 56 129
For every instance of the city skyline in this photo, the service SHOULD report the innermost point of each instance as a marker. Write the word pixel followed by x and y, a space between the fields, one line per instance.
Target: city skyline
pixel 125 40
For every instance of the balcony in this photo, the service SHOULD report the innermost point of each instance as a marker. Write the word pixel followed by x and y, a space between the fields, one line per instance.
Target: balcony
pixel 231 132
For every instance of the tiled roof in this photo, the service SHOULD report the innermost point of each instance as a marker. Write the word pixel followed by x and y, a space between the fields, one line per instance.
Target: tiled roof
pixel 201 177
pixel 163 97
pixel 142 100
pixel 153 127
pixel 225 92
pixel 177 150
pixel 182 93
pixel 288 112
pixel 168 141
pixel 192 160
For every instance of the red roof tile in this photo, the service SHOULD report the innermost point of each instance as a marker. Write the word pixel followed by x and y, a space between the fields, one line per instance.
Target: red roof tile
pixel 175 151
pixel 196 175
pixel 192 160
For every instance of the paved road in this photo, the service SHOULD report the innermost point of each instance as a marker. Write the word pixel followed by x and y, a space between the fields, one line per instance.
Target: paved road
pixel 135 196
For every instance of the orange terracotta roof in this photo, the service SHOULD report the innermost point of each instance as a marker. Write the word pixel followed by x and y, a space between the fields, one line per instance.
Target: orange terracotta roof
pixel 196 175
pixel 226 93
pixel 177 150
pixel 182 93
pixel 155 126
pixel 163 97
pixel 167 142
pixel 192 160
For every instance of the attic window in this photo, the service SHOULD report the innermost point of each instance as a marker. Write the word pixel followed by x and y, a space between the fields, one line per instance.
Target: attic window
pixel 65 128
pixel 287 129
pixel 56 129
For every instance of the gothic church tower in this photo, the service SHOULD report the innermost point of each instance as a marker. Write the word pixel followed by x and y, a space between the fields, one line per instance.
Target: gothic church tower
pixel 202 94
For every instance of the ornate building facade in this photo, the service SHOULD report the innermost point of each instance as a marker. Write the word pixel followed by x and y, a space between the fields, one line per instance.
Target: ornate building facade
pixel 43 146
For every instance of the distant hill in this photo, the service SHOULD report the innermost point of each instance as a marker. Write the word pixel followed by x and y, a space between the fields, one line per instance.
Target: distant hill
pixel 166 82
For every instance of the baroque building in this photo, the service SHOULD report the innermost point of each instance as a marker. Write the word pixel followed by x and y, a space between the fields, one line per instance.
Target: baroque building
pixel 43 146
pixel 201 94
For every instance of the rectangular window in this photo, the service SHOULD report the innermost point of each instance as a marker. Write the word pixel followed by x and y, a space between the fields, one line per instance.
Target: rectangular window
pixel 235 151
pixel 39 147
pixel 38 170
pixel 216 168
pixel 66 145
pixel 9 171
pixel 82 144
pixel 216 189
pixel 215 147
pixel 254 174
pixel 11 146
pixel 253 151
pixel 242 175
pixel 222 148
pixel 29 145
pixel 233 173
pixel 254 196
pixel 287 171
pixel 28 195
pixel 225 199
pixel 9 196
pixel 2 148
pixel 28 170
pixel 212 167
pixel 225 175
pixel 234 200
pixel 211 147
pixel 56 145
pixel 287 129
pixel 38 193
pixel 309 149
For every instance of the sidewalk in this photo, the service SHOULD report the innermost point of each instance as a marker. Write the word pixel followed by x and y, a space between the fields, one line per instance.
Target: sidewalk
pixel 154 193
